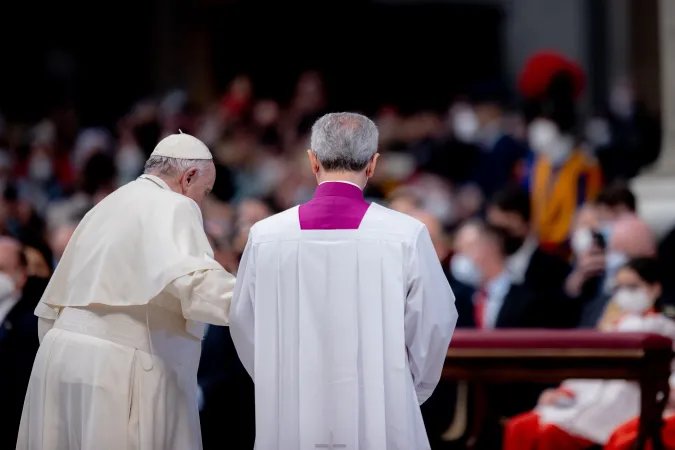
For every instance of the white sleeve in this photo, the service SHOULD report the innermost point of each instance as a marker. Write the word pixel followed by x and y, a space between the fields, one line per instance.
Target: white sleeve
pixel 430 316
pixel 46 317
pixel 205 295
pixel 242 317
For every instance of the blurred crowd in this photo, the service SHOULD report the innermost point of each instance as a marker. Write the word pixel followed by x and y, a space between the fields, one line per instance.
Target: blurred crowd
pixel 528 206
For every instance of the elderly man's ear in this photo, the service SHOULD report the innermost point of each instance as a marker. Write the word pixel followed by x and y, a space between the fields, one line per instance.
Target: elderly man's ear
pixel 313 162
pixel 370 169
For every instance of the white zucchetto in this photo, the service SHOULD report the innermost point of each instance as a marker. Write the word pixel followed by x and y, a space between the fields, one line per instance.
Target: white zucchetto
pixel 182 146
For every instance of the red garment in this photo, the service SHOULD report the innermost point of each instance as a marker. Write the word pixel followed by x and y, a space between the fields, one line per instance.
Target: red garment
pixel 524 432
pixel 479 301
pixel 624 437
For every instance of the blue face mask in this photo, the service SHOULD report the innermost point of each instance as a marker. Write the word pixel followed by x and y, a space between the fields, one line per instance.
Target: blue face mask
pixel 465 270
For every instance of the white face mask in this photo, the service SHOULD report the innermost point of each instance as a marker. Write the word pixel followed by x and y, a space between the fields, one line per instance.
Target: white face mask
pixel 465 125
pixel 545 139
pixel 633 301
pixel 465 270
pixel 582 241
pixel 7 286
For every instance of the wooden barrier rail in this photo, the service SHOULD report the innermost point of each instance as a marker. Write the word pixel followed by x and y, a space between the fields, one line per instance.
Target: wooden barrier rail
pixel 503 356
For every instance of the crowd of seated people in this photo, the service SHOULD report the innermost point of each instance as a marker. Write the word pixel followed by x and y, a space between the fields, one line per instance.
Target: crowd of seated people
pixel 523 226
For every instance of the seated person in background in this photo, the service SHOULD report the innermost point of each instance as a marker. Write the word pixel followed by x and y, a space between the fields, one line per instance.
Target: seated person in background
pixel 583 413
pixel 481 262
pixel 527 263
pixel 462 276
pixel 615 201
pixel 597 261
pixel 625 436
pixel 19 294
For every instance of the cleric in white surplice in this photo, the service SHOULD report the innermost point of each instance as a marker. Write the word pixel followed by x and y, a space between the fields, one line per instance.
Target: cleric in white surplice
pixel 121 321
pixel 341 314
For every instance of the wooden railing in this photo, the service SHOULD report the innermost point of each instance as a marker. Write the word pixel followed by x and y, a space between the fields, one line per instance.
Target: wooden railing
pixel 483 358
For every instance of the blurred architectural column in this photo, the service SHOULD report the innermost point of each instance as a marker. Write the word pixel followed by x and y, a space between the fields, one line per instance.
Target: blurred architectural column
pixel 656 189
pixel 666 163
pixel 619 38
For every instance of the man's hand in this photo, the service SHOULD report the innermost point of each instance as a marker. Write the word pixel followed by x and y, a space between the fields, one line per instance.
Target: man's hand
pixel 588 265
pixel 551 397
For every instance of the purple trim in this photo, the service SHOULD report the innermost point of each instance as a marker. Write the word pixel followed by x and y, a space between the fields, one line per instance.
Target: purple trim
pixel 335 206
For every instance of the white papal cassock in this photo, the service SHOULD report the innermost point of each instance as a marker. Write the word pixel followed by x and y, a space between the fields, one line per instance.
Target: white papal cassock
pixel 121 324
pixel 343 316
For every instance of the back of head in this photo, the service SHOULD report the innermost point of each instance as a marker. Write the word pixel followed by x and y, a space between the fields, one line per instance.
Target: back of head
pixel 617 196
pixel 633 237
pixel 344 142
pixel 647 268
pixel 513 199
pixel 185 164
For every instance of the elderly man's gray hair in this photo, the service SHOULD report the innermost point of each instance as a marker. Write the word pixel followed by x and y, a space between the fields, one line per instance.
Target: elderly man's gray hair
pixel 344 141
pixel 172 167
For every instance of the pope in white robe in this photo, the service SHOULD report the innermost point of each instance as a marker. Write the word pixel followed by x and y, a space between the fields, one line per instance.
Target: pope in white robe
pixel 122 318
pixel 342 314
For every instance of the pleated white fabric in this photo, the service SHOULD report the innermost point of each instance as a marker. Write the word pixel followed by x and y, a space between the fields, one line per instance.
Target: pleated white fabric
pixel 343 331
pixel 109 378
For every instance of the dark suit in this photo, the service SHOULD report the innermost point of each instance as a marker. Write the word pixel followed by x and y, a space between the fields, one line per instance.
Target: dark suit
pixel 545 278
pixel 18 345
pixel 228 418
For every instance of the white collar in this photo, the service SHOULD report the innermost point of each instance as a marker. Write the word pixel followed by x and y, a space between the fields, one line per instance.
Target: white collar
pixel 518 263
pixel 340 181
pixel 157 180
pixel 501 283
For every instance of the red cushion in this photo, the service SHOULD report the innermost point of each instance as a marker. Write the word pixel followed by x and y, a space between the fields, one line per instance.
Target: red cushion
pixel 557 339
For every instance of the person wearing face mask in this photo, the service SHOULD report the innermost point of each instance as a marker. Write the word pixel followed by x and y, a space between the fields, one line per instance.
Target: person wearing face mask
pixel 19 293
pixel 597 261
pixel 581 414
pixel 125 311
pixel 636 290
pixel 497 302
pixel 481 262
pixel 527 263
pixel 561 176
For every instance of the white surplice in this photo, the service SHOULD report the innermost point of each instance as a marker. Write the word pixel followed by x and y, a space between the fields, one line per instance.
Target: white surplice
pixel 600 406
pixel 121 324
pixel 343 331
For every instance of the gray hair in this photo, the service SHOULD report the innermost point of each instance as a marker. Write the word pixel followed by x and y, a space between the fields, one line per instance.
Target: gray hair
pixel 172 167
pixel 344 141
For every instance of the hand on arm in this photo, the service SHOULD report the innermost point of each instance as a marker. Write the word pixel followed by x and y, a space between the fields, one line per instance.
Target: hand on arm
pixel 205 295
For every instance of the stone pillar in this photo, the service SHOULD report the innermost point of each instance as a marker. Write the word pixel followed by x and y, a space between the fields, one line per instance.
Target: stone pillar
pixel 655 189
pixel 666 163
pixel 619 38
